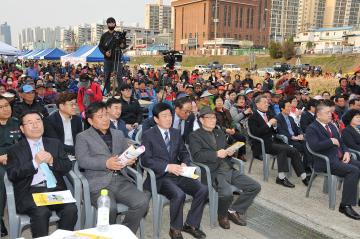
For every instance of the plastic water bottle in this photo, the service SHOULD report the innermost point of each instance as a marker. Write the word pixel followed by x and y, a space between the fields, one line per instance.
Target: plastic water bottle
pixel 103 211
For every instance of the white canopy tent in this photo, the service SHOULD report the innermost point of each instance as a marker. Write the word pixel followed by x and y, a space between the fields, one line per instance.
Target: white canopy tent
pixel 8 50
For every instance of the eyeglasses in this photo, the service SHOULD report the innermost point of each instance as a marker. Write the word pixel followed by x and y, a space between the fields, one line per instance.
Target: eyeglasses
pixel 4 106
pixel 36 122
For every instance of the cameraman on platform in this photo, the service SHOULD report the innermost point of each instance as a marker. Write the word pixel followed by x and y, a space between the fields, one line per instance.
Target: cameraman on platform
pixel 109 48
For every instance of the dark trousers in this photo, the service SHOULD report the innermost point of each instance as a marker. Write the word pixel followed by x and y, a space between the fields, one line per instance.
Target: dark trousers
pixel 249 187
pixel 2 191
pixel 351 173
pixel 121 190
pixel 39 216
pixel 283 151
pixel 301 147
pixel 175 189
pixel 109 67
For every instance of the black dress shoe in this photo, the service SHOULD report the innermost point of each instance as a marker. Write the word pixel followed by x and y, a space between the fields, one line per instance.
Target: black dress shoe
pixel 236 218
pixel 4 231
pixel 195 232
pixel 224 222
pixel 175 234
pixel 348 211
pixel 306 181
pixel 284 182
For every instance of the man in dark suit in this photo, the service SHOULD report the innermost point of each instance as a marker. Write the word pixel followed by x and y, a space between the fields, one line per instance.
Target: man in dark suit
pixel 308 116
pixel 64 124
pixel 323 137
pixel 97 151
pixel 262 126
pixel 183 118
pixel 167 155
pixel 114 107
pixel 286 126
pixel 208 146
pixel 37 164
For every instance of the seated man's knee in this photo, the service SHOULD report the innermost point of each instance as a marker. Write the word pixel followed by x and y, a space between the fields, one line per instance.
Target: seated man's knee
pixel 40 212
pixel 179 196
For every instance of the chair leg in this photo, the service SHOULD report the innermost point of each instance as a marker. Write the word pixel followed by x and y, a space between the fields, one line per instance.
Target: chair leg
pixel 155 217
pixel 310 184
pixel 142 228
pixel 340 181
pixel 266 167
pixel 15 230
pixel 251 162
pixel 212 208
pixel 332 192
pixel 160 212
pixel 326 185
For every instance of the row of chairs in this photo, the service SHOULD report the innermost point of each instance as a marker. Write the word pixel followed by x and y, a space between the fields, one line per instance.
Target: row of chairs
pixel 331 182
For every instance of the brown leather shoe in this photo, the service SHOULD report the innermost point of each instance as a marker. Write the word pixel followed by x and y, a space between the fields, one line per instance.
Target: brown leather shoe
pixel 175 234
pixel 236 218
pixel 224 222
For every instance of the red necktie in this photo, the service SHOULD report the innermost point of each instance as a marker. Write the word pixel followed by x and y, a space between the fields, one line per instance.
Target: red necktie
pixel 340 153
pixel 266 118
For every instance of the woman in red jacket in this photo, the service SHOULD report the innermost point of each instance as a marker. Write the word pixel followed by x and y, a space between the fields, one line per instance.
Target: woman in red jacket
pixel 88 93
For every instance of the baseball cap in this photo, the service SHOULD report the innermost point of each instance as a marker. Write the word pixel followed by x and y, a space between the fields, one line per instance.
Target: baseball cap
pixel 205 110
pixel 247 91
pixel 205 94
pixel 27 89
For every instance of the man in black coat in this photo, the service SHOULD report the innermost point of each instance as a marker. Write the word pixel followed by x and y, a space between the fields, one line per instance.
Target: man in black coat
pixel 324 138
pixel 208 146
pixel 37 164
pixel 262 126
pixel 167 156
pixel 183 119
pixel 308 116
pixel 64 124
pixel 286 126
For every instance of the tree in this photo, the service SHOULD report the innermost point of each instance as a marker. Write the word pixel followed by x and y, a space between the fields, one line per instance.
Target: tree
pixel 309 45
pixel 275 50
pixel 288 49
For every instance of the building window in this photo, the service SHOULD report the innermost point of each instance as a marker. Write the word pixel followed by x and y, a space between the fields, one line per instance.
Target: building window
pixel 203 34
pixel 237 16
pixel 204 13
pixel 248 18
pixel 229 18
pixel 252 18
pixel 225 15
pixel 241 17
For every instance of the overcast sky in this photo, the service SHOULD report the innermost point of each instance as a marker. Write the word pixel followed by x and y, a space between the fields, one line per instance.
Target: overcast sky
pixel 50 13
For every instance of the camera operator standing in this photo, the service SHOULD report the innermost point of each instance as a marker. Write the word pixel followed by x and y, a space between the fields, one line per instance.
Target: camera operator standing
pixel 111 47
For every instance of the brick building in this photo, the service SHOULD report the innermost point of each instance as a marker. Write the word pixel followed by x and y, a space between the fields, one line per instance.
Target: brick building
pixel 238 21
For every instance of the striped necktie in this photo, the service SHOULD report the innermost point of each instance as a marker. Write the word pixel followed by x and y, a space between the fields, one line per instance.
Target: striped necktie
pixel 167 141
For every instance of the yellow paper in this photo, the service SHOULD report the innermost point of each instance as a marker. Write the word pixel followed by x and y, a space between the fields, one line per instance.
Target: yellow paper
pixel 90 236
pixel 53 198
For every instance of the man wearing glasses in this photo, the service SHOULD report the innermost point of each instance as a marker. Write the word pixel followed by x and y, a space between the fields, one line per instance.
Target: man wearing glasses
pixel 64 124
pixel 27 94
pixel 183 118
pixel 37 164
pixel 9 135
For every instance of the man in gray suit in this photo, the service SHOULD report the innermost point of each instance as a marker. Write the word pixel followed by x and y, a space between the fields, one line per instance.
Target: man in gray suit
pixel 208 146
pixel 97 151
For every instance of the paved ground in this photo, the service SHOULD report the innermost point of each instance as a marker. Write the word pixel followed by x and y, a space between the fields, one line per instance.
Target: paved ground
pixel 278 212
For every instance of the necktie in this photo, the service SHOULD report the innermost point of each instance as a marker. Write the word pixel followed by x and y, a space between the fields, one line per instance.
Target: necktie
pixel 167 141
pixel 265 118
pixel 339 151
pixel 49 176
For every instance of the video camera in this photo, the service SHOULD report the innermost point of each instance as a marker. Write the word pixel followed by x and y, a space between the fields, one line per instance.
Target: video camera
pixel 119 40
pixel 170 57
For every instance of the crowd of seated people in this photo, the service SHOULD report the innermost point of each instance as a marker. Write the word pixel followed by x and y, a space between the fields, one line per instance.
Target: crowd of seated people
pixel 184 120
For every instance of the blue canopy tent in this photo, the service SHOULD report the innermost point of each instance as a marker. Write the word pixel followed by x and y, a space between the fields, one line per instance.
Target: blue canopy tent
pixel 87 54
pixel 34 52
pixel 55 54
pixel 41 54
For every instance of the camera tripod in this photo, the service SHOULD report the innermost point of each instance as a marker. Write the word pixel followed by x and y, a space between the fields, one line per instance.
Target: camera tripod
pixel 117 70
